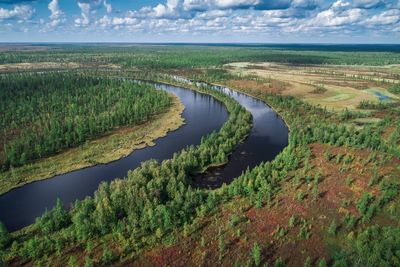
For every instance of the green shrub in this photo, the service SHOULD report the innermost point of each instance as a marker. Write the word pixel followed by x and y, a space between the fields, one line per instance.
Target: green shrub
pixel 5 237
pixel 54 220
pixel 332 228
pixel 256 252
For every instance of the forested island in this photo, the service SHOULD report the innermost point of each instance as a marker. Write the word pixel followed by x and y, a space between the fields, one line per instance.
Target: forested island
pixel 48 113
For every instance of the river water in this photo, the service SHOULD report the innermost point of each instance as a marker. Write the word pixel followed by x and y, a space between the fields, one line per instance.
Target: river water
pixel 203 114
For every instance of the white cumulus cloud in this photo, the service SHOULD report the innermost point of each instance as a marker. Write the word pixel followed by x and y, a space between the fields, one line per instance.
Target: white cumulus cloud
pixel 56 14
pixel 84 20
pixel 20 12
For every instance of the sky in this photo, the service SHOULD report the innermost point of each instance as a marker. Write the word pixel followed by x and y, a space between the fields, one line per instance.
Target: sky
pixel 201 21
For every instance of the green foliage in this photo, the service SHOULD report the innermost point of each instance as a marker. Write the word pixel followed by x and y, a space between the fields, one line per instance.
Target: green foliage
pixel 350 221
pixel 235 220
pixel 344 203
pixel 238 233
pixel 365 206
pixel 188 57
pixel 292 221
pixel 328 155
pixel 108 256
pixel 279 262
pixel 32 248
pixel 158 196
pixel 164 187
pixel 300 195
pixel 315 192
pixel 319 89
pixel 375 177
pixel 304 232
pixel 322 263
pixel 332 230
pixel 349 180
pixel 88 262
pixel 221 246
pixel 395 89
pixel 43 114
pixel 256 253
pixel 307 262
pixel 366 104
pixel 202 242
pixel 280 231
pixel 72 262
pixel 5 237
pixel 259 200
pixel 389 192
pixel 378 246
pixel 55 219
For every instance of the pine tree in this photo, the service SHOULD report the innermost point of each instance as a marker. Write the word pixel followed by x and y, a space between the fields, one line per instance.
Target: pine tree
pixel 332 228
pixel 5 237
pixel 256 252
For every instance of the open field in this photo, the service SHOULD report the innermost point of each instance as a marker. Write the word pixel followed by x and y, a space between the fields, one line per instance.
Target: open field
pixel 342 86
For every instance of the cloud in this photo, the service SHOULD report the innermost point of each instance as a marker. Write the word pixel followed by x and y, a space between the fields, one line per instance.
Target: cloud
pixel 116 21
pixel 389 17
pixel 340 13
pixel 171 10
pixel 187 9
pixel 239 18
pixel 57 15
pixel 367 4
pixel 88 7
pixel 248 17
pixel 202 5
pixel 107 6
pixel 20 12
pixel 84 20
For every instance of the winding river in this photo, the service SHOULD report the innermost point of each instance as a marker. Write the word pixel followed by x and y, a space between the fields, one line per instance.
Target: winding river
pixel 203 114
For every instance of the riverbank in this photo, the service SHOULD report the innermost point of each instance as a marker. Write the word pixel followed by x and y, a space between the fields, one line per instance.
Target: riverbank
pixel 118 144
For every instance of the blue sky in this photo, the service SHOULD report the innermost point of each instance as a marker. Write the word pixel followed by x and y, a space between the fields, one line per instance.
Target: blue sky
pixel 260 21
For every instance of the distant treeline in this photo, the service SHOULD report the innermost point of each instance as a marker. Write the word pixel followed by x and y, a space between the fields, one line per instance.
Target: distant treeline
pixel 186 56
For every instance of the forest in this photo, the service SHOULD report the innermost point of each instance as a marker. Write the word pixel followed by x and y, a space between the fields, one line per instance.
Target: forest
pixel 160 57
pixel 43 114
pixel 330 198
pixel 156 197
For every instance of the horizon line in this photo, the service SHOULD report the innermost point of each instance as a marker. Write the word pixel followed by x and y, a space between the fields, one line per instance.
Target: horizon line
pixel 195 43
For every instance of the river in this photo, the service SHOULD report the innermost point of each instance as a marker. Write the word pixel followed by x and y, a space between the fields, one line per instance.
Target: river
pixel 203 114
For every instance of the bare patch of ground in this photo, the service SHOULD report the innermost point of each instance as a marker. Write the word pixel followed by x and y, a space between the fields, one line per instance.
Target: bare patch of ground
pixel 269 227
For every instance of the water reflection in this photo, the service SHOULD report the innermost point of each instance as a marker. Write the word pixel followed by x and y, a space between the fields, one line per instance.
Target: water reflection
pixel 21 206
pixel 268 137
pixel 202 114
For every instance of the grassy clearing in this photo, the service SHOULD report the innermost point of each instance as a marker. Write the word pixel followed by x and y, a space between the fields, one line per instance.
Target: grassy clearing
pixel 344 87
pixel 114 146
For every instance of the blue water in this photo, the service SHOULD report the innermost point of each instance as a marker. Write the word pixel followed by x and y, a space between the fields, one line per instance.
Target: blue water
pixel 203 114
pixel 381 96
